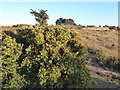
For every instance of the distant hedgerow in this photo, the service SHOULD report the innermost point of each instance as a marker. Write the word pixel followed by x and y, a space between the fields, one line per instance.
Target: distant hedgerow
pixel 44 57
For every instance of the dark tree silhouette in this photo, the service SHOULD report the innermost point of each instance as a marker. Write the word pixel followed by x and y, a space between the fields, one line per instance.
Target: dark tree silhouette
pixel 62 21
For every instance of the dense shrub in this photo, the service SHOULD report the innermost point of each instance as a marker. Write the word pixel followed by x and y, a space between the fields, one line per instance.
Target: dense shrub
pixel 11 51
pixel 20 25
pixel 112 27
pixel 49 57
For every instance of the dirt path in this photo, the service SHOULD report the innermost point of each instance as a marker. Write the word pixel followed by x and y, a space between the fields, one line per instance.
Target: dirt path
pixel 104 78
pixel 98 83
pixel 100 70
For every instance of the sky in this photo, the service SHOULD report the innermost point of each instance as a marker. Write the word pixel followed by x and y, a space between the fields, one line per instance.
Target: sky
pixel 84 13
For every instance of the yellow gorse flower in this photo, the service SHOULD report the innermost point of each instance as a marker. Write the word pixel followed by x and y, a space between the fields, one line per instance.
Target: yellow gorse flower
pixel 50 61
pixel 13 60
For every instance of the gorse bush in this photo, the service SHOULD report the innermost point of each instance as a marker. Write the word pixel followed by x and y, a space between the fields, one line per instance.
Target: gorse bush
pixel 20 25
pixel 11 51
pixel 45 57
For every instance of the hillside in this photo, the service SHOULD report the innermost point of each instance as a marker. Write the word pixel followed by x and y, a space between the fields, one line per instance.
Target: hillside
pixel 102 45
pixel 105 43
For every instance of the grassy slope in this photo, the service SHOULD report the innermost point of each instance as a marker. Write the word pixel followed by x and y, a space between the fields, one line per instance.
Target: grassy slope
pixel 107 42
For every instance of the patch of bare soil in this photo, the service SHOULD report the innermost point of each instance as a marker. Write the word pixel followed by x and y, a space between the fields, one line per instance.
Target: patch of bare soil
pixel 102 83
pixel 104 78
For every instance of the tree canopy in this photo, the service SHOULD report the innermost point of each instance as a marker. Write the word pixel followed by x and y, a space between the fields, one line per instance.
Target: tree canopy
pixel 41 17
pixel 62 21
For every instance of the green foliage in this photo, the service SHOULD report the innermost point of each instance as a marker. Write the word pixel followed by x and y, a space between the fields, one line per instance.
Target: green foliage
pixel 62 21
pixel 118 28
pixel 50 57
pixel 112 27
pixel 11 51
pixel 20 25
pixel 41 17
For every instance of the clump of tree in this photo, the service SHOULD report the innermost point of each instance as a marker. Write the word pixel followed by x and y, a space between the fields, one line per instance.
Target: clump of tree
pixel 118 28
pixel 91 26
pixel 62 21
pixel 41 17
pixel 105 26
pixel 112 27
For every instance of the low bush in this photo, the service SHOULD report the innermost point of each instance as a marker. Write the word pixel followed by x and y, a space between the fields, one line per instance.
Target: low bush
pixel 20 25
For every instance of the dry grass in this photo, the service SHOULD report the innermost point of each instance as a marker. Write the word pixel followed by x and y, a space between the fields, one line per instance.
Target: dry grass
pixel 95 28
pixel 8 28
pixel 104 40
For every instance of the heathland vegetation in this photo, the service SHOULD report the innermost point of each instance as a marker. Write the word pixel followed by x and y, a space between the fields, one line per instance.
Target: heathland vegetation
pixel 57 56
